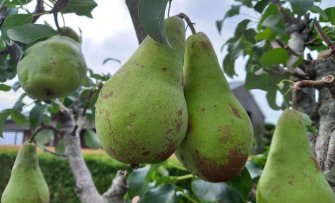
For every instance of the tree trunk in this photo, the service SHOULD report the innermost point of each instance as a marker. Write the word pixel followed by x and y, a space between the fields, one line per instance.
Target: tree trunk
pixel 325 140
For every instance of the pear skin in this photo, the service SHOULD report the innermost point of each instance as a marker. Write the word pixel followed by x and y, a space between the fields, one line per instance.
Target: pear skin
pixel 141 113
pixel 52 68
pixel 26 183
pixel 291 173
pixel 219 137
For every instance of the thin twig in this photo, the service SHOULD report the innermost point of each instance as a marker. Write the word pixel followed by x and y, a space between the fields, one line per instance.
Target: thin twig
pixel 54 153
pixel 42 127
pixel 287 47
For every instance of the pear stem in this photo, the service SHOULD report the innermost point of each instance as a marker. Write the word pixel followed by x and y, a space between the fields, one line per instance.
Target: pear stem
pixel 188 21
pixel 327 81
pixel 184 177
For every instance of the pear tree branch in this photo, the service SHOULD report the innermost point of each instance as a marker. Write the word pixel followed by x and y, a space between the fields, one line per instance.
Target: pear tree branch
pixel 327 81
pixel 85 187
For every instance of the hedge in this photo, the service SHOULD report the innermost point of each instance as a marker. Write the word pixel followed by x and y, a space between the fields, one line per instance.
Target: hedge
pixel 58 175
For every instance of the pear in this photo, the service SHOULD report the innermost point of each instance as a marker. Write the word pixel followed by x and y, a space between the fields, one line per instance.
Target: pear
pixel 52 68
pixel 141 113
pixel 220 134
pixel 26 183
pixel 291 173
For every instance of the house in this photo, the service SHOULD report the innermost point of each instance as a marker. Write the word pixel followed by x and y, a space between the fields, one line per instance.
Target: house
pixel 15 134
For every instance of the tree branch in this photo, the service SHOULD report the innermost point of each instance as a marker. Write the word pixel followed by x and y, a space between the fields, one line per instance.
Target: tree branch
pixel 85 187
pixel 327 81
pixel 323 35
pixel 118 188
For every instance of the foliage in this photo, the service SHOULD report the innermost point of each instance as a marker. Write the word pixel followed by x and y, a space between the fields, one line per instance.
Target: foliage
pixel 264 42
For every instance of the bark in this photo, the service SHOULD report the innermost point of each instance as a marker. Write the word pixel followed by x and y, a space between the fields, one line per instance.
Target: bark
pixel 133 11
pixel 325 140
pixel 85 187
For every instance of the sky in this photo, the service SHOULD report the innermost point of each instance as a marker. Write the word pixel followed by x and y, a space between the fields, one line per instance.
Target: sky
pixel 110 33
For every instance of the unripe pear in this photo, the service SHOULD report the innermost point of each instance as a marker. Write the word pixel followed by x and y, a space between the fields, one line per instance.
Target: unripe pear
pixel 141 113
pixel 26 183
pixel 52 68
pixel 291 173
pixel 219 137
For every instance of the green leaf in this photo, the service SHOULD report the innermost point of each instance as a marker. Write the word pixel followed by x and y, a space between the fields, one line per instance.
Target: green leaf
pixel 15 20
pixel 308 123
pixel 16 2
pixel 80 7
pixel 215 192
pixel 219 24
pixel 137 182
pixel 260 5
pixel 19 103
pixel 3 118
pixel 241 27
pixel 254 170
pixel 271 97
pixel 242 184
pixel 165 194
pixel 44 137
pixel 247 3
pixel 5 88
pixel 300 7
pixel 151 14
pixel 91 139
pixel 89 97
pixel 229 65
pixel 19 118
pixel 266 34
pixel 36 115
pixel 270 10
pixel 317 9
pixel 233 11
pixel 274 56
pixel 30 33
pixel 275 23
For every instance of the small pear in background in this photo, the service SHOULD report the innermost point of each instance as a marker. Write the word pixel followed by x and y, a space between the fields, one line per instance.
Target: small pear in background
pixel 141 113
pixel 291 173
pixel 220 134
pixel 26 183
pixel 52 68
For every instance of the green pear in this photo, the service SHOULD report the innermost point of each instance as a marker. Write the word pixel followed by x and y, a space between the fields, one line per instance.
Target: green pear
pixel 26 183
pixel 291 173
pixel 141 113
pixel 220 135
pixel 52 68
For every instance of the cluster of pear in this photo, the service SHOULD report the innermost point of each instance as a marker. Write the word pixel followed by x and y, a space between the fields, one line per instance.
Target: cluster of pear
pixel 175 99
pixel 54 67
pixel 26 183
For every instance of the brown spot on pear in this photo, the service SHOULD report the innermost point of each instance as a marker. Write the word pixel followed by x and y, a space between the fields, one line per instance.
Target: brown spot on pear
pixel 220 137
pixel 148 108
